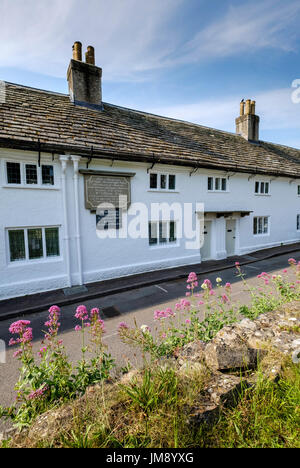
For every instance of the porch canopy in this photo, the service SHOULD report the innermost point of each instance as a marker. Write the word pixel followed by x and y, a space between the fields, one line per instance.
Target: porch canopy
pixel 226 213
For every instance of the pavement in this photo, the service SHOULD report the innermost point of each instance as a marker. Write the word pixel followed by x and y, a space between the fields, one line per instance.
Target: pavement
pixel 27 305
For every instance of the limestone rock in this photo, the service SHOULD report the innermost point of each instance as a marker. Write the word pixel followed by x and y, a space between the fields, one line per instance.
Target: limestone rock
pixel 192 352
pixel 192 368
pixel 127 378
pixel 48 424
pixel 228 350
pixel 222 391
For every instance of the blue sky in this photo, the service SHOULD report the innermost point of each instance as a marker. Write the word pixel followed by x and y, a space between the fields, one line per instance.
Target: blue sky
pixel 189 59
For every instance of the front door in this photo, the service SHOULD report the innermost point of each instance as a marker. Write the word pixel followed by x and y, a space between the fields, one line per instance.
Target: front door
pixel 230 237
pixel 206 248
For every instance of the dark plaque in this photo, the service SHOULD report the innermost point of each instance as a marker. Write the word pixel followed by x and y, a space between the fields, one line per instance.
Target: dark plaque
pixel 104 190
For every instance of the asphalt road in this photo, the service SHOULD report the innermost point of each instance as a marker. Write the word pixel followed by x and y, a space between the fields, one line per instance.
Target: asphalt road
pixel 128 306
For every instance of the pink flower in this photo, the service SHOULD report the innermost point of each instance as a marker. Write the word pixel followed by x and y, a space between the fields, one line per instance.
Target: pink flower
pixel 292 261
pixel 225 298
pixel 95 312
pixel 123 326
pixel 192 278
pixel 19 327
pixel 200 303
pixel 54 310
pixel 237 264
pixel 78 328
pixel 82 313
pixel 25 333
pixel 285 271
pixel 38 393
pixel 42 351
pixel 163 314
pixel 212 293
pixel 17 353
pixel 170 312
pixel 188 321
pixel 188 294
pixel 228 285
pixel 208 283
pixel 184 304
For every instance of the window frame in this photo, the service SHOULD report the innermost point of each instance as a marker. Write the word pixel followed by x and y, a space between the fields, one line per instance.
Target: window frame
pixel 23 165
pixel 168 242
pixel 260 184
pixel 298 222
pixel 27 259
pixel 214 184
pixel 298 190
pixel 6 173
pixel 261 234
pixel 159 176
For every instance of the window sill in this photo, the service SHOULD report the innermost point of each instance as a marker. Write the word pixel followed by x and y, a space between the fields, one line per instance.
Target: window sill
pixel 164 246
pixel 261 235
pixel 162 191
pixel 218 191
pixel 30 187
pixel 39 261
pixel 262 194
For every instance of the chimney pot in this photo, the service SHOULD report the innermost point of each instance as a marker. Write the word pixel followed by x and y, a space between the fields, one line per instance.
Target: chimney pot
pixel 242 108
pixel 77 51
pixel 248 107
pixel 253 107
pixel 90 55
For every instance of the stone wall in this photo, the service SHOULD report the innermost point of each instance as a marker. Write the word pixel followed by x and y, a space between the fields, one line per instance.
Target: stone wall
pixel 237 352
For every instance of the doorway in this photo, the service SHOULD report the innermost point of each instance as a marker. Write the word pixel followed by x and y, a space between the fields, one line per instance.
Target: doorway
pixel 230 237
pixel 206 248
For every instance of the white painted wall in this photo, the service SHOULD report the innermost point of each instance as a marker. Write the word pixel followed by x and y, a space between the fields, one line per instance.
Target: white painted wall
pixel 103 259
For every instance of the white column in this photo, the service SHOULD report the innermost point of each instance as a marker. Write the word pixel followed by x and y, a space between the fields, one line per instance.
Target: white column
pixel 64 160
pixel 76 160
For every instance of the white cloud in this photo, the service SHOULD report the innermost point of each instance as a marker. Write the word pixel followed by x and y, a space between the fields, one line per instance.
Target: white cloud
pixel 134 37
pixel 275 108
pixel 129 35
pixel 246 28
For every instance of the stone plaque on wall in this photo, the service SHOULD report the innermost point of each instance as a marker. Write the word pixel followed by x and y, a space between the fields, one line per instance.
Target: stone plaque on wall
pixel 106 188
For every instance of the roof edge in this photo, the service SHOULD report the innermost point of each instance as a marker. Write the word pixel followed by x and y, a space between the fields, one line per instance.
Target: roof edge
pixel 99 153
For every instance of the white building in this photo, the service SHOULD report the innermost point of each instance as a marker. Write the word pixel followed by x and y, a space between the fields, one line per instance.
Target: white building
pixel 60 154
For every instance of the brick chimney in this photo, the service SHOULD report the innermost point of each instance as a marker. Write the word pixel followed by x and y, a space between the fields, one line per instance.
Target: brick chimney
pixel 85 79
pixel 247 124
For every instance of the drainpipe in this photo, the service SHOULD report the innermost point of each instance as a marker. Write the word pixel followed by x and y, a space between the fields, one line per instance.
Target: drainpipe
pixel 64 160
pixel 76 160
